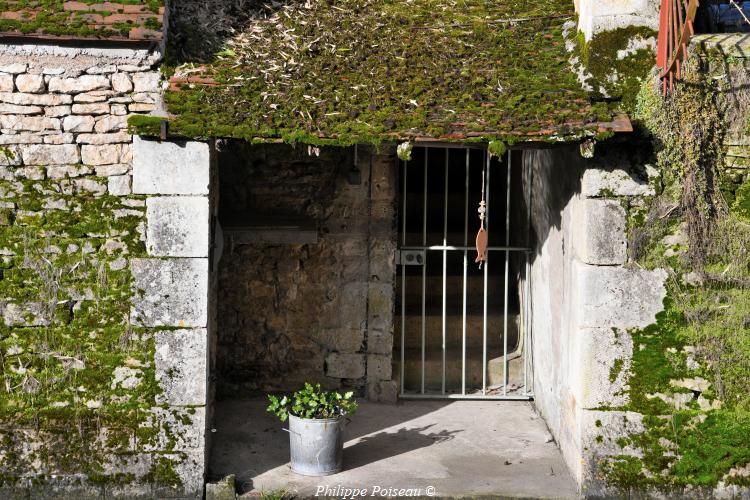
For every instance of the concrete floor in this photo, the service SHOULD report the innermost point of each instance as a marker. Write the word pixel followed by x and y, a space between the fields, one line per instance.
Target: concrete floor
pixel 458 448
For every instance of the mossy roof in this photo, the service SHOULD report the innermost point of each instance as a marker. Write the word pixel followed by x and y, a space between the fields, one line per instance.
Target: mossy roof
pixel 120 20
pixel 335 71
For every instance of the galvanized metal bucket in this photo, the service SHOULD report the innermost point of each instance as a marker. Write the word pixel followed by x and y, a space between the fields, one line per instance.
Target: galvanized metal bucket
pixel 316 445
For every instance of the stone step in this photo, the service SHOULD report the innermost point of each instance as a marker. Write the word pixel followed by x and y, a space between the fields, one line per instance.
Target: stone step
pixel 454 328
pixel 453 370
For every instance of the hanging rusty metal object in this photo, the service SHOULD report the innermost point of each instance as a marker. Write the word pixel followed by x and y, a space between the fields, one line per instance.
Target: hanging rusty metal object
pixel 482 239
pixel 675 31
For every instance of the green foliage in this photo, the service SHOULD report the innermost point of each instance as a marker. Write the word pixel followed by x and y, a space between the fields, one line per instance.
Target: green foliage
pixel 313 402
pixel 145 125
pixel 368 71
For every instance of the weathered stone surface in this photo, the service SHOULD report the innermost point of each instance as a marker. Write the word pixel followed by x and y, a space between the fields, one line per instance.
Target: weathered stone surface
pixel 102 70
pixel 605 359
pixel 63 171
pixel 602 439
pixel 104 138
pixel 170 292
pixel 378 367
pixel 599 232
pixel 181 366
pixel 15 109
pixel 119 185
pixel 14 69
pixel 221 490
pixel 178 226
pixel 342 365
pixel 97 108
pixel 121 83
pixel 23 138
pixel 111 123
pixel 616 297
pixel 141 107
pixel 599 182
pixel 25 99
pixel 10 156
pixel 32 84
pixel 379 342
pixel 83 83
pixel 100 155
pixel 29 123
pixel 170 168
pixel 28 314
pixel 117 169
pixel 179 429
pixel 50 154
pixel 57 111
pixel 93 97
pixel 6 83
pixel 146 81
pixel 90 186
pixel 79 124
pixel 348 340
pixel 66 138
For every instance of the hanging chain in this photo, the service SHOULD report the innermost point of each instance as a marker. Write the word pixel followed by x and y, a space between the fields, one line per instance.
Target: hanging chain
pixel 482 204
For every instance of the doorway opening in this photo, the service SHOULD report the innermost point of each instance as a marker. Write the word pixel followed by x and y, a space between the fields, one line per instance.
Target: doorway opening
pixel 461 329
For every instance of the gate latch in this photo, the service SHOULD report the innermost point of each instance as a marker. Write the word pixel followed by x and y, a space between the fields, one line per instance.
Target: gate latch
pixel 410 258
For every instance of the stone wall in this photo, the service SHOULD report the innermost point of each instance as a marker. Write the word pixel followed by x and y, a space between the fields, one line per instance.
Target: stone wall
pixel 293 310
pixel 94 395
pixel 585 299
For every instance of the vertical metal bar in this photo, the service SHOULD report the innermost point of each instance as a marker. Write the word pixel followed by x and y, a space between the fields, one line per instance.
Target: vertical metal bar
pixel 466 268
pixel 424 266
pixel 445 259
pixel 486 266
pixel 527 353
pixel 403 282
pixel 507 267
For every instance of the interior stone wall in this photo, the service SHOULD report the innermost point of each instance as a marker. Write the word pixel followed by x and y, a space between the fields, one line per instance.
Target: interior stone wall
pixel 585 299
pixel 300 311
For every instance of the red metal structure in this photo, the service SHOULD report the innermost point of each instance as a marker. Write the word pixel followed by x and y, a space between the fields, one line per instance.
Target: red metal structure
pixel 675 30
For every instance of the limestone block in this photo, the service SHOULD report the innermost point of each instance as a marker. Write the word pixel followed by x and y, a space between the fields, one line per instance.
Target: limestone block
pixel 66 138
pixel 29 123
pixel 83 83
pixel 34 84
pixel 380 306
pixel 25 99
pixel 96 108
pixel 57 111
pixel 100 155
pixel 383 391
pixel 6 83
pixel 50 154
pixel 141 107
pixel 63 171
pixel 615 181
pixel 378 367
pixel 28 314
pixel 93 96
pixel 121 83
pixel 616 297
pixel 22 138
pixel 108 170
pixel 602 15
pixel 179 429
pixel 14 69
pixel 118 109
pixel 104 138
pixel 83 123
pixel 379 342
pixel 148 81
pixel 181 366
pixel 10 157
pixel 599 232
pixel 178 226
pixel 341 365
pixel 92 186
pixel 102 70
pixel 170 168
pixel 15 109
pixel 604 359
pixel 119 185
pixel 600 431
pixel 170 292
pixel 111 123
pixel 190 467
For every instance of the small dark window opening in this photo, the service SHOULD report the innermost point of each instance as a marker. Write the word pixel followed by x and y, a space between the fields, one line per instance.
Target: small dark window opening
pixel 720 16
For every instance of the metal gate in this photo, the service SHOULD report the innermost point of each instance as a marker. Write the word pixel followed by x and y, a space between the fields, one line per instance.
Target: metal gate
pixel 464 331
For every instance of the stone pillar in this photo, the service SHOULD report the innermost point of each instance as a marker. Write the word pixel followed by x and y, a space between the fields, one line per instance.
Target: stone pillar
pixel 382 275
pixel 595 16
pixel 173 290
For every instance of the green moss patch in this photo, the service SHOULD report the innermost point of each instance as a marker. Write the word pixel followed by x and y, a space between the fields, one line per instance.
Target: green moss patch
pixel 367 71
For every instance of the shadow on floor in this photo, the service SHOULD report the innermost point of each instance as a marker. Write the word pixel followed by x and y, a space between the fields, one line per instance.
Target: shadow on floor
pixel 457 448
